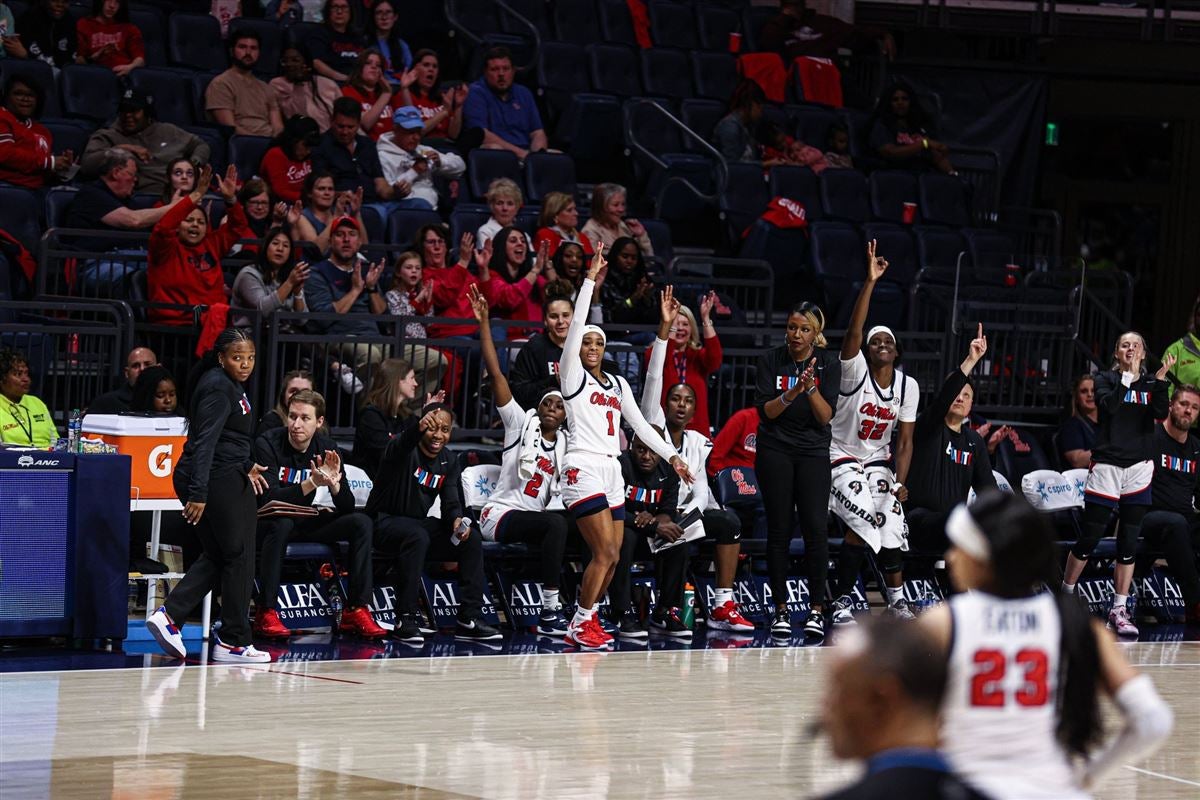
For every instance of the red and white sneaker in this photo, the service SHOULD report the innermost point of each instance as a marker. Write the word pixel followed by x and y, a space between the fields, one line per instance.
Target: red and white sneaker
pixel 358 621
pixel 588 636
pixel 728 617
pixel 268 625
pixel 1119 621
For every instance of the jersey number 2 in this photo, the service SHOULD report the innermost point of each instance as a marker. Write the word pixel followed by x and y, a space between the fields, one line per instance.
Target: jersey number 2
pixel 986 691
pixel 872 430
pixel 535 484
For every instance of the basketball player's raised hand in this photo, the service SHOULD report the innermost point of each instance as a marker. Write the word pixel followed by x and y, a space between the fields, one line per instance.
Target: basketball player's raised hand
pixel 667 304
pixel 599 262
pixel 479 303
pixel 681 469
pixel 979 344
pixel 876 265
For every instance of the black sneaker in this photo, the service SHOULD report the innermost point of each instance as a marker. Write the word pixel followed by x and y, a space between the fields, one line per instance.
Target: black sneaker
pixel 814 628
pixel 552 623
pixel 423 625
pixel 631 627
pixel 406 630
pixel 781 624
pixel 667 622
pixel 842 612
pixel 477 630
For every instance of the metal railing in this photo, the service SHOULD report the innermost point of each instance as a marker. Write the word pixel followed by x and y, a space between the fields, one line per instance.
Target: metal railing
pixel 635 146
pixel 460 25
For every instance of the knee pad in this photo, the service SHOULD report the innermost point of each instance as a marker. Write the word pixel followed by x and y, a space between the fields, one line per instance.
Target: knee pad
pixel 1127 545
pixel 889 560
pixel 723 527
pixel 1083 547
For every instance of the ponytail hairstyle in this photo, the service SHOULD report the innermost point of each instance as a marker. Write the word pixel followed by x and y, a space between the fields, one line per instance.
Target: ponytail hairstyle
pixel 815 316
pixel 384 392
pixel 210 360
pixel 1024 560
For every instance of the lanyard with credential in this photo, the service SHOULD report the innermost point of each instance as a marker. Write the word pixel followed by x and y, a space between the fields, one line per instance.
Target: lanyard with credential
pixel 27 425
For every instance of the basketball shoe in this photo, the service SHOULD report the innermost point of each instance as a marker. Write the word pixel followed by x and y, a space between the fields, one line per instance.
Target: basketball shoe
pixel 268 625
pixel 588 635
pixel 728 617
pixel 166 633
pixel 1119 621
pixel 239 655
pixel 358 621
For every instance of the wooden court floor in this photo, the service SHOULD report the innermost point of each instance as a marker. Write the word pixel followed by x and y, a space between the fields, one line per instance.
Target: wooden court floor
pixel 658 724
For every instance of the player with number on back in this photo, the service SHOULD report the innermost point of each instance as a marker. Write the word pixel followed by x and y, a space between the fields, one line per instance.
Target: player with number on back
pixel 592 486
pixel 1026 664
pixel 877 402
pixel 533 453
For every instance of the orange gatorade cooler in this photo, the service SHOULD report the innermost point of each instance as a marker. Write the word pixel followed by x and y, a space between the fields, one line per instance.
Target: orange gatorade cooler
pixel 153 443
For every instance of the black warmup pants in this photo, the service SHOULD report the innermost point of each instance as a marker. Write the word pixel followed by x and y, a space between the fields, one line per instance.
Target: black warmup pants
pixel 1179 540
pixel 795 486
pixel 226 534
pixel 412 541
pixel 927 529
pixel 274 535
pixel 670 566
pixel 545 530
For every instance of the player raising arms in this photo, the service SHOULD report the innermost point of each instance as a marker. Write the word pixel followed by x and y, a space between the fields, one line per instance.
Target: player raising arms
pixel 877 401
pixel 1025 665
pixel 529 466
pixel 592 486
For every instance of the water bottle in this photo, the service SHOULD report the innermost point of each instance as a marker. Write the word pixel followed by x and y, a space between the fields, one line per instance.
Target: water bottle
pixel 74 431
pixel 460 532
pixel 335 603
pixel 688 612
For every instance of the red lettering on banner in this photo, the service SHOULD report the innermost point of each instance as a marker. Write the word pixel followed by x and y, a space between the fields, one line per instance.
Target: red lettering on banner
pixel 602 399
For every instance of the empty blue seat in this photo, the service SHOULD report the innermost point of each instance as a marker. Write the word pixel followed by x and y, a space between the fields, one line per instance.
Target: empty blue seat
pixel 939 247
pixel 660 239
pixel 673 25
pixel 799 184
pixel 58 200
pixel 171 90
pixel 194 41
pixel 838 262
pixel 548 172
pixel 811 123
pixel 466 220
pixel 19 215
pixel 614 69
pixel 713 26
pixel 575 21
pixel 562 73
pixel 844 194
pixel 744 200
pixel 943 200
pixel 890 190
pixel 90 92
pixel 403 224
pixel 200 81
pixel 485 166
pixel 990 249
pixel 665 73
pixel 533 11
pixel 68 135
pixel 701 116
pixel 246 153
pixel 153 25
pixel 217 155
pixel 785 249
pixel 615 23
pixel 714 75
pixel 590 128
pixel 895 244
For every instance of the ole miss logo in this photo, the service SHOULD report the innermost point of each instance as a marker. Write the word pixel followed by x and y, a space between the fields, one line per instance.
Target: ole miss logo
pixel 572 476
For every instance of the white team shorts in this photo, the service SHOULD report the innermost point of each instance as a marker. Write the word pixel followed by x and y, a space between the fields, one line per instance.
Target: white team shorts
pixel 862 498
pixel 586 478
pixel 489 520
pixel 1109 486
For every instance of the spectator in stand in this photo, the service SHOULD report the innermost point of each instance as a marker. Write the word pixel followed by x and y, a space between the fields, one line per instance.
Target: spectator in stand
pixel 410 166
pixel 347 285
pixel 26 147
pixel 628 293
pixel 504 110
pixel 410 296
pixel 504 198
pixel 300 91
pixel 948 457
pixel 570 265
pixel 441 111
pixel 336 50
pixel 10 40
pixel 119 399
pixel 353 158
pixel 300 460
pixel 24 419
pixel 239 100
pixel 226 11
pixel 322 205
pixel 285 12
pixel 184 267
pixel 274 281
pixel 386 409
pixel 286 165
pixel 294 381
pixel 838 152
pixel 450 281
pixel 734 135
pixel 109 39
pixel 1186 351
pixel 904 134
pixel 608 222
pixel 535 369
pixel 155 393
pixel 181 181
pixel 373 93
pixel 512 280
pixel 385 39
pixel 559 222
pixel 736 443
pixel 1077 435
pixel 691 359
pixel 48 33
pixel 262 212
pixel 780 149
pixel 155 145
pixel 799 31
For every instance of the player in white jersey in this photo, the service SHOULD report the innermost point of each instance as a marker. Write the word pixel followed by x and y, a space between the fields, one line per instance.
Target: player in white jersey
pixel 1025 664
pixel 529 467
pixel 591 482
pixel 877 402
pixel 723 527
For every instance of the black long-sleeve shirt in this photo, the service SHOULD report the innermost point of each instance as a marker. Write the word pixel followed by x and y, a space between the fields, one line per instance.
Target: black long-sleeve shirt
pixel 656 492
pixel 1127 416
pixel 1176 485
pixel 219 434
pixel 796 430
pixel 408 480
pixel 535 370
pixel 946 463
pixel 288 467
pixel 372 431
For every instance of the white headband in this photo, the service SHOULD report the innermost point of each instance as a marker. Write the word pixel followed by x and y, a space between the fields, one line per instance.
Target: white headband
pixel 594 329
pixel 965 534
pixel 551 393
pixel 880 329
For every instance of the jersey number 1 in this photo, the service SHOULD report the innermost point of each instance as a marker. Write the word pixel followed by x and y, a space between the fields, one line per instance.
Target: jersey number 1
pixel 611 430
pixel 986 691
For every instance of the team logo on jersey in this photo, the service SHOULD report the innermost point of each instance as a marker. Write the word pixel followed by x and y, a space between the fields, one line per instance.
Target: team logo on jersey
pixel 430 480
pixel 545 465
pixel 856 486
pixel 1185 465
pixel 639 494
pixel 602 399
pixel 751 443
pixel 869 409
pixel 961 457
pixel 1137 398
pixel 245 405
pixel 290 475
pixel 572 476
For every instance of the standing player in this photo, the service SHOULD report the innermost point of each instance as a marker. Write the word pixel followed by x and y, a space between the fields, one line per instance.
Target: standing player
pixel 877 402
pixel 1025 665
pixel 593 488
pixel 529 467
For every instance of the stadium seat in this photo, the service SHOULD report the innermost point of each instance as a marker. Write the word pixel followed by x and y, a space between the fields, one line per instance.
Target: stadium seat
pixel 811 123
pixel 990 249
pixel 673 25
pixel 895 244
pixel 890 190
pixel 246 153
pixel 481 17
pixel 714 75
pixel 402 225
pixel 838 262
pixel 466 218
pixel 614 69
pixel 665 73
pixel 660 239
pixel 744 200
pixel 375 224
pixel 485 166
pixel 533 11
pixel 58 200
pixel 548 172
pixel 615 22
pixel 194 41
pixel 90 92
pixel 303 32
pixel 171 90
pixel 19 212
pixel 153 25
pixel 939 247
pixel 562 73
pixel 575 21
pixel 41 74
pixel 590 128
pixel 943 200
pixel 270 37
pixel 200 81
pixel 713 26
pixel 217 155
pixel 753 19
pixel 844 194
pixel 701 116
pixel 68 135
pixel 527 219
pixel 799 184
pixel 1015 465
pixel 786 250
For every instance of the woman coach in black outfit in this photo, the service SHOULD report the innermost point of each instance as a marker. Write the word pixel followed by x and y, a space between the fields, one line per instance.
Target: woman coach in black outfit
pixel 796 395
pixel 217 481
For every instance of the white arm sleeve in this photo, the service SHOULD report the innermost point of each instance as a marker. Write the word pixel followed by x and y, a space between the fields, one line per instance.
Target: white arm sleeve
pixel 651 406
pixel 1148 721
pixel 570 368
pixel 701 496
pixel 513 417
pixel 631 414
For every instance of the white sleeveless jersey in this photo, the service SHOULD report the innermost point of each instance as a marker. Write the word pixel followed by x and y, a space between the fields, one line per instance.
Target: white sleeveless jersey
pixel 867 415
pixel 1000 711
pixel 514 492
